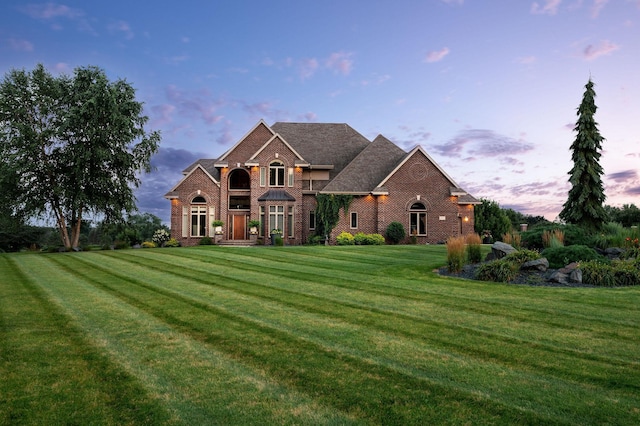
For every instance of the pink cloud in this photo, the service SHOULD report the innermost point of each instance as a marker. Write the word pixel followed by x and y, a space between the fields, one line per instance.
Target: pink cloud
pixel 194 105
pixel 307 68
pixel 340 62
pixel 605 47
pixel 436 55
pixel 597 7
pixel 549 7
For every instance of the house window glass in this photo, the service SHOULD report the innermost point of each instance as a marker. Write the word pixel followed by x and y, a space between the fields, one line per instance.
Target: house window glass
pixel 263 176
pixel 290 221
pixel 239 179
pixel 239 202
pixel 418 219
pixel 312 220
pixel 354 220
pixel 198 221
pixel 276 174
pixel 276 217
pixel 290 177
pixel 262 222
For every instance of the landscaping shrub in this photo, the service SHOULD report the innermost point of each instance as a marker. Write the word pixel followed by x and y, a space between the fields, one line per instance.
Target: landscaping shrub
pixel 316 240
pixel 205 241
pixel 625 272
pixel 455 253
pixel 553 238
pixel 121 244
pixel 512 238
pixel 521 256
pixel 172 242
pixel 395 232
pixel 345 239
pixel 148 244
pixel 360 239
pixel 375 240
pixel 501 271
pixel 572 234
pixel 160 236
pixel 597 273
pixel 559 257
pixel 474 253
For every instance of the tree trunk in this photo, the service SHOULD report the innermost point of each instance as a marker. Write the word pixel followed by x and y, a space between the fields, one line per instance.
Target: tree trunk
pixel 75 230
pixel 64 234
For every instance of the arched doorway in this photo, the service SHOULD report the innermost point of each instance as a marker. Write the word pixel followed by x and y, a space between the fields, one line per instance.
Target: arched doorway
pixel 239 203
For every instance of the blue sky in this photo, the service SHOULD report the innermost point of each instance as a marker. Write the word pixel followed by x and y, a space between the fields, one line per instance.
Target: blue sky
pixel 489 88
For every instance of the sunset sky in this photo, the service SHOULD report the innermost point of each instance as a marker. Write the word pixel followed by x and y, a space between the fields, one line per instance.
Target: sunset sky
pixel 490 89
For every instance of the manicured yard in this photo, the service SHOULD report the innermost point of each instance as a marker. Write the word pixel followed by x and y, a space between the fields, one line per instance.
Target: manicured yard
pixel 305 335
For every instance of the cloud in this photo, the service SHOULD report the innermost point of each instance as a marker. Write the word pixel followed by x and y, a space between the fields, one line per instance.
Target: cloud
pixel 436 55
pixel 526 60
pixel 307 68
pixel 340 62
pixel 194 105
pixel 375 80
pixel 20 45
pixel 605 47
pixel 548 7
pixel 624 176
pixel 597 7
pixel 482 143
pixel 54 13
pixel 121 27
pixel 48 11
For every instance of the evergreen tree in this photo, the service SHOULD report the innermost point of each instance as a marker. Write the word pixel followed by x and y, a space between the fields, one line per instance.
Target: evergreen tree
pixel 584 206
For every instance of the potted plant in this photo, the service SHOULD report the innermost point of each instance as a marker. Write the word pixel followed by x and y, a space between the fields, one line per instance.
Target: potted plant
pixel 275 233
pixel 217 224
pixel 253 226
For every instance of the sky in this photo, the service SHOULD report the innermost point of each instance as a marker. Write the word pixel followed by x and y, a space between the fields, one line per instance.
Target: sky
pixel 490 89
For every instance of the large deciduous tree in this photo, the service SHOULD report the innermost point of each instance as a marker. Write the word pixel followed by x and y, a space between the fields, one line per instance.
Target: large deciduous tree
pixel 585 202
pixel 74 146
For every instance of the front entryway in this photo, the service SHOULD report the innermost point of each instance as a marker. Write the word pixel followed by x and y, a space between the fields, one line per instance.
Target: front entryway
pixel 238 226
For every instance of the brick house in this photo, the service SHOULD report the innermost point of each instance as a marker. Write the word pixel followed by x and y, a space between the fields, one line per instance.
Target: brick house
pixel 274 173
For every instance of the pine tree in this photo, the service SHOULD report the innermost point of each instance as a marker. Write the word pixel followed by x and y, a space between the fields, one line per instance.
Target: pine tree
pixel 584 205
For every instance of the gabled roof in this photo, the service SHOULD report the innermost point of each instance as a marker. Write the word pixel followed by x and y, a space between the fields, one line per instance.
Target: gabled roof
pixel 323 143
pixel 277 136
pixel 208 164
pixel 260 123
pixel 172 193
pixel 368 168
pixel 415 150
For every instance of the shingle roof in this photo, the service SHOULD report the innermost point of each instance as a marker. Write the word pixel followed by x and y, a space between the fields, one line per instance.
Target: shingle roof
pixel 323 143
pixel 368 168
pixel 276 195
pixel 207 164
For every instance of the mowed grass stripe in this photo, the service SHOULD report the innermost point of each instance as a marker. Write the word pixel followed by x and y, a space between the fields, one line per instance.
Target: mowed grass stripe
pixel 444 295
pixel 483 316
pixel 50 373
pixel 374 338
pixel 309 367
pixel 199 385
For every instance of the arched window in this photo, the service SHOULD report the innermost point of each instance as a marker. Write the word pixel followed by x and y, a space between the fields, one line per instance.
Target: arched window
pixel 239 179
pixel 276 174
pixel 198 217
pixel 418 219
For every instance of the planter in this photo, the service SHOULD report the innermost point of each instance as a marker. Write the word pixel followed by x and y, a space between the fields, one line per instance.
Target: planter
pixel 253 230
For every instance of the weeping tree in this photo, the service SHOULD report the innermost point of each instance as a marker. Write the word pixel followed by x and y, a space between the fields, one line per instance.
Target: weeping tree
pixel 585 202
pixel 328 211
pixel 74 146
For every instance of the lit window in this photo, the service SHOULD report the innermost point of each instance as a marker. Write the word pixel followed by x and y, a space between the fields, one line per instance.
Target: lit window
pixel 418 219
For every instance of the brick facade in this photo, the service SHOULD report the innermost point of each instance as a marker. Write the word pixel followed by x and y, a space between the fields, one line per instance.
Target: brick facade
pixel 416 192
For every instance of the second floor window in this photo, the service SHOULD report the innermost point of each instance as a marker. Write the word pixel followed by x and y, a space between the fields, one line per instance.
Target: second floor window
pixel 276 174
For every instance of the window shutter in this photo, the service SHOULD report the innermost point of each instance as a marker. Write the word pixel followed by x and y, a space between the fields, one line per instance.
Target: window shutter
pixel 185 221
pixel 212 217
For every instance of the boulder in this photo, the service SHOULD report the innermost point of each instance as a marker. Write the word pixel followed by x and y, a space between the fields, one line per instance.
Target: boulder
pixel 500 249
pixel 541 265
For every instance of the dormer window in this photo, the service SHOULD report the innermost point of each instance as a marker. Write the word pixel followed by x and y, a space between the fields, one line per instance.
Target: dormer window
pixel 276 174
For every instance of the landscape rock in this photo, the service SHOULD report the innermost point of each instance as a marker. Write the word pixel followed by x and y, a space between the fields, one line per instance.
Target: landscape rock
pixel 576 276
pixel 559 277
pixel 500 249
pixel 537 265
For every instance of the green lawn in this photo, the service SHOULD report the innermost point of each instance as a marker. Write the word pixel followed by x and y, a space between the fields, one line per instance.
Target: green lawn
pixel 305 335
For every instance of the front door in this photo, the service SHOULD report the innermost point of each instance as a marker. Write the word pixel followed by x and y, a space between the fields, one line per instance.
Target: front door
pixel 239 227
